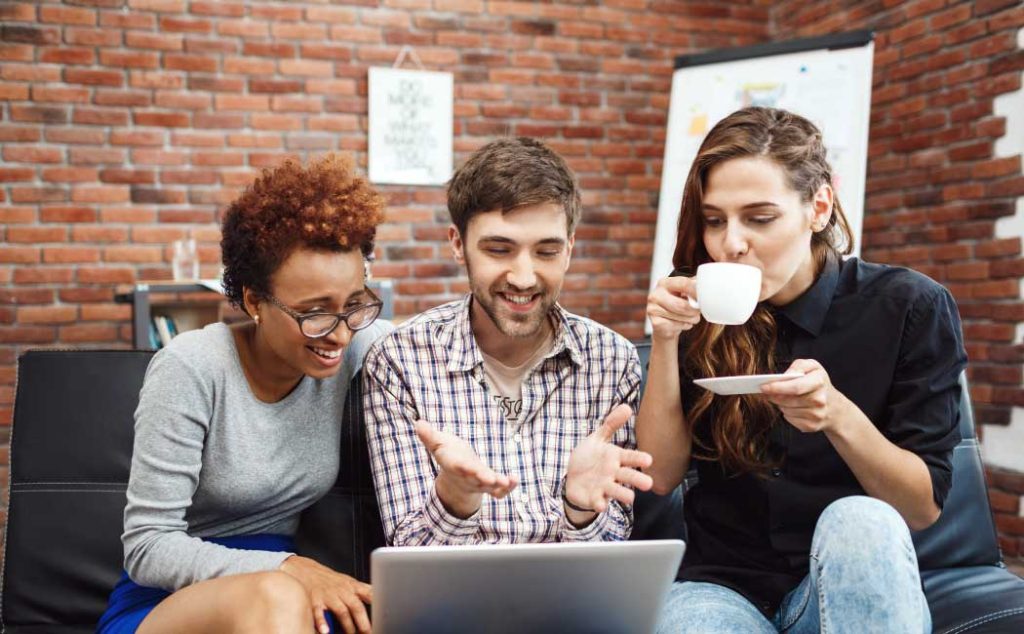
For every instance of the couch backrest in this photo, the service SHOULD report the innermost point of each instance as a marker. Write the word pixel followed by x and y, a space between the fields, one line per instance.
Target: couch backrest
pixel 965 534
pixel 71 446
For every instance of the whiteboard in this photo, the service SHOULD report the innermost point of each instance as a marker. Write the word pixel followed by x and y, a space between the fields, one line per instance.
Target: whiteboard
pixel 826 79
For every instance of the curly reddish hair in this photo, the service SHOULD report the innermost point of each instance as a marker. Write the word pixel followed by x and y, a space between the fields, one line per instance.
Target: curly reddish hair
pixel 323 206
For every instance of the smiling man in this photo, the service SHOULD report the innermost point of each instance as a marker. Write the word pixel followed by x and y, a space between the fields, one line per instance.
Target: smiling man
pixel 501 417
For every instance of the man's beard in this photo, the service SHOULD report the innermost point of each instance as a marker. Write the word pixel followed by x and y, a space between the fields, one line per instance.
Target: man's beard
pixel 512 324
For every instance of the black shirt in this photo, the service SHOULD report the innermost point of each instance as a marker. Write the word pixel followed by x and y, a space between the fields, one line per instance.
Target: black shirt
pixel 890 341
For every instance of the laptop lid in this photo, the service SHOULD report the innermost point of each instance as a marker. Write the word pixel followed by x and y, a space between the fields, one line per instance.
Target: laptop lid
pixel 587 587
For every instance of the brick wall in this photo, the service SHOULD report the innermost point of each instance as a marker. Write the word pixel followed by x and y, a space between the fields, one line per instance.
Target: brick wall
pixel 126 124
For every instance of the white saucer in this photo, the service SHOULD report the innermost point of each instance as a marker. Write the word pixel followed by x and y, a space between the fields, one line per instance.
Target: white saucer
pixel 745 384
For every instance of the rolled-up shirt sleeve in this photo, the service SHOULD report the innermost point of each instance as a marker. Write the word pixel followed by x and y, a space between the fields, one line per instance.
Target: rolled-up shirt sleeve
pixel 924 400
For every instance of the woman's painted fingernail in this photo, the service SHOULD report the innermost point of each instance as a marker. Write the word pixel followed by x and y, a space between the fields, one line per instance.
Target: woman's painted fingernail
pixel 325 628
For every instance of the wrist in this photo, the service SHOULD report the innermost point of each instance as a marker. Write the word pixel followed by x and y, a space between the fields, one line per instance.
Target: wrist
pixel 577 514
pixel 289 564
pixel 461 504
pixel 665 339
pixel 842 417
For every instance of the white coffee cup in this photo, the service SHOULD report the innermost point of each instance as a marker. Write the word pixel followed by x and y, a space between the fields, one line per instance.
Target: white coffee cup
pixel 727 292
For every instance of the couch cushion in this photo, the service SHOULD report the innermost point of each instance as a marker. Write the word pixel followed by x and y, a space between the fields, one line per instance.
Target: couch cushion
pixel 974 600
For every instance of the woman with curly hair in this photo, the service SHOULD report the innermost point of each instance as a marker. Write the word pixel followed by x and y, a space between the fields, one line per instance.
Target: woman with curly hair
pixel 238 427
pixel 798 520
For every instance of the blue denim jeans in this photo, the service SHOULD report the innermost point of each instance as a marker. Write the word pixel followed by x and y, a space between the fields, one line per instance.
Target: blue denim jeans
pixel 863 578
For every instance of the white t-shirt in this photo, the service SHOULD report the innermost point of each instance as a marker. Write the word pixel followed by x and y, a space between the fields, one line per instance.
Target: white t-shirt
pixel 506 382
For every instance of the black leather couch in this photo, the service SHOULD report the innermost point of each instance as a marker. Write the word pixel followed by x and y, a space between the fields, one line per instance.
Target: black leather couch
pixel 71 451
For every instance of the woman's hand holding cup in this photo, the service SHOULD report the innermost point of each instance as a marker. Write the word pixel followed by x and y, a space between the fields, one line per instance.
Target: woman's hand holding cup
pixel 670 307
pixel 722 292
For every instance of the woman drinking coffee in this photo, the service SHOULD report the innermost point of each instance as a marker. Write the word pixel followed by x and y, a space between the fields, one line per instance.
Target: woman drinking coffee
pixel 806 486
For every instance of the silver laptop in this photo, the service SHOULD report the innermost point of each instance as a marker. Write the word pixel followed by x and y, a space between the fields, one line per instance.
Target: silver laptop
pixel 590 587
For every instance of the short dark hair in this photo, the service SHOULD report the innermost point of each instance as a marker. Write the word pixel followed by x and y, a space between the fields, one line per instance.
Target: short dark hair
pixel 510 173
pixel 324 206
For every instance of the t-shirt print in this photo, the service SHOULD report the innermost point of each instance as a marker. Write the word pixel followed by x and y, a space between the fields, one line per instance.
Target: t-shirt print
pixel 510 408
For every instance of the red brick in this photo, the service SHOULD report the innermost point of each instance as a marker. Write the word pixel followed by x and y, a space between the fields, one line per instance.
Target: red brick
pixel 32 154
pixel 122 98
pixel 298 31
pixel 100 116
pixel 14 174
pixel 127 176
pixel 67 214
pixel 18 12
pixel 158 157
pixel 46 194
pixel 215 7
pixel 93 77
pixel 93 37
pixel 159 6
pixel 138 137
pixel 100 194
pixel 137 254
pixel 105 275
pixel 29 72
pixel 162 119
pixel 95 156
pixel 70 254
pixel 190 63
pixel 158 235
pixel 82 295
pixel 47 314
pixel 13 92
pixel 125 59
pixel 997 248
pixel 135 20
pixel 43 275
pixel 157 41
pixel 27 334
pixel 18 255
pixel 244 28
pixel 88 333
pixel 174 24
pixel 189 177
pixel 333 15
pixel 100 233
pixel 307 68
pixel 41 114
pixel 69 174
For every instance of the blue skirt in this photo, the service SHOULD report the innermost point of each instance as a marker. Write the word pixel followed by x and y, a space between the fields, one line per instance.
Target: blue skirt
pixel 131 603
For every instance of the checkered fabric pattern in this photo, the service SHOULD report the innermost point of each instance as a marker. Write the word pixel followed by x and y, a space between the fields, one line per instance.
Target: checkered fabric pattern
pixel 430 368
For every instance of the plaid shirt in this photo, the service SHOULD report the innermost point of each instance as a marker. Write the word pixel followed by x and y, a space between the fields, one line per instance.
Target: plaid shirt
pixel 430 368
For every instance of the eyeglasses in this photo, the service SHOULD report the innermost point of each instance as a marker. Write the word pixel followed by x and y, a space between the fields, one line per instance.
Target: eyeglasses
pixel 319 325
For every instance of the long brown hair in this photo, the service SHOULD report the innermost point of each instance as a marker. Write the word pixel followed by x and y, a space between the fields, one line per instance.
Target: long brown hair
pixel 740 424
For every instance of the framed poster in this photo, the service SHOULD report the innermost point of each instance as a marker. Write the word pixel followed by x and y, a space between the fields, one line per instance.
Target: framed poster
pixel 410 126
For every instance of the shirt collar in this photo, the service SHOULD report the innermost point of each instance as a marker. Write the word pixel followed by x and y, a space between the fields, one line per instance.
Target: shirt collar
pixel 465 353
pixel 808 311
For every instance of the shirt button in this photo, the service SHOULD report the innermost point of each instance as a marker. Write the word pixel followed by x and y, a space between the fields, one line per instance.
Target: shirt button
pixel 517 438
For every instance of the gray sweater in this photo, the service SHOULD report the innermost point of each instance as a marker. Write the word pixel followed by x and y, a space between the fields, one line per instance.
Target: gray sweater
pixel 211 460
